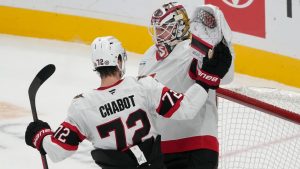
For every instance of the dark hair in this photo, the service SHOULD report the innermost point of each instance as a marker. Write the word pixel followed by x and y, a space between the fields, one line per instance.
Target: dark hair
pixel 106 71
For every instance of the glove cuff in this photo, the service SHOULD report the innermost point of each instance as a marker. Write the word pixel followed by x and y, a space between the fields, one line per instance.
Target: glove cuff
pixel 211 80
pixel 38 138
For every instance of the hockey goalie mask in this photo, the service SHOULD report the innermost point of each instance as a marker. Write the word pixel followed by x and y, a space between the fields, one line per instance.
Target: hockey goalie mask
pixel 169 26
pixel 106 51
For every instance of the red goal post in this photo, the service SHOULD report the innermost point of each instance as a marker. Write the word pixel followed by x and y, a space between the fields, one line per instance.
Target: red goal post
pixel 258 128
pixel 259 105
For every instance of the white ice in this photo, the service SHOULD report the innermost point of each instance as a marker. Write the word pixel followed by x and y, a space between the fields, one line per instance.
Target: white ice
pixel 21 58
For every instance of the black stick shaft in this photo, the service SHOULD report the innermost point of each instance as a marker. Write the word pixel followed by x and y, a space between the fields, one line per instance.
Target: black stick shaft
pixel 39 79
pixel 44 161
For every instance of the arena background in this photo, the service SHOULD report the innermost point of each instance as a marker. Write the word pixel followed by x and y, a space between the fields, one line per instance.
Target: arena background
pixel 265 31
pixel 34 33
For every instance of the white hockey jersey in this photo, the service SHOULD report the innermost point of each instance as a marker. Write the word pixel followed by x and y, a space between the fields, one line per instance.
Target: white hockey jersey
pixel 121 115
pixel 173 71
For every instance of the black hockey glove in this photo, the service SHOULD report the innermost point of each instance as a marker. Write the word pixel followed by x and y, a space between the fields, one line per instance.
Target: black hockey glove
pixel 35 133
pixel 213 69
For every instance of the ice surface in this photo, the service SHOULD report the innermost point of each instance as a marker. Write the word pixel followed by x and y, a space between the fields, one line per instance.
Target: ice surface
pixel 21 58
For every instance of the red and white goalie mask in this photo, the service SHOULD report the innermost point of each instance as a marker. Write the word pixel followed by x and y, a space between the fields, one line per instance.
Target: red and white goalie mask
pixel 169 26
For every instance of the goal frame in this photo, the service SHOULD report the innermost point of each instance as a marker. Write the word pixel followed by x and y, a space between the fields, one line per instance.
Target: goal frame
pixel 259 105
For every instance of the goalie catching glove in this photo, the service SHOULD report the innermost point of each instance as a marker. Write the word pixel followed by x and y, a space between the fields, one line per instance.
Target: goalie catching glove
pixel 213 68
pixel 35 133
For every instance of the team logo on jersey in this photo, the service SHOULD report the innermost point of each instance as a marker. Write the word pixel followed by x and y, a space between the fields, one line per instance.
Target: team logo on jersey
pixel 78 96
pixel 161 52
pixel 112 91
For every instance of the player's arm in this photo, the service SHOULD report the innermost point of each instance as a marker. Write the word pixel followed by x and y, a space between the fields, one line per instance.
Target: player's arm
pixel 64 142
pixel 171 104
pixel 57 145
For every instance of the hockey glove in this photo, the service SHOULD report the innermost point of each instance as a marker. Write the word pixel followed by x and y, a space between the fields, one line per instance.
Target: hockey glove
pixel 35 133
pixel 214 67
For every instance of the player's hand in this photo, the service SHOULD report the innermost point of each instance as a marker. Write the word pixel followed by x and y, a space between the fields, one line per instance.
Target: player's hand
pixel 35 133
pixel 214 67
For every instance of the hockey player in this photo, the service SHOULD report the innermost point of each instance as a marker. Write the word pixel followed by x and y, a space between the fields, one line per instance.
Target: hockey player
pixel 189 144
pixel 118 117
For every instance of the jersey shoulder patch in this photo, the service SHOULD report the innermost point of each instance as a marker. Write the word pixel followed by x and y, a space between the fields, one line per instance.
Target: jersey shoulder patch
pixel 78 96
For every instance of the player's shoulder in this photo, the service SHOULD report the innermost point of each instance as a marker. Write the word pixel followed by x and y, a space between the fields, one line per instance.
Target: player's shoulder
pixel 182 50
pixel 85 96
pixel 186 44
pixel 130 80
pixel 147 81
pixel 183 46
pixel 78 102
pixel 150 51
pixel 148 55
pixel 79 98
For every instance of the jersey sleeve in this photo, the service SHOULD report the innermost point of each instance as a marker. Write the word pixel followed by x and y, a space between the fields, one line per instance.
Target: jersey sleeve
pixel 169 103
pixel 64 142
pixel 147 55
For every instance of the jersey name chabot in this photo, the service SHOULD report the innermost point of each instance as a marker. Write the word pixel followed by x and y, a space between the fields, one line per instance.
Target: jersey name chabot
pixel 116 106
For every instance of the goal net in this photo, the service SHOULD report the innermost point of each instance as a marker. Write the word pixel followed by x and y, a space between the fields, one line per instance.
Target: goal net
pixel 259 128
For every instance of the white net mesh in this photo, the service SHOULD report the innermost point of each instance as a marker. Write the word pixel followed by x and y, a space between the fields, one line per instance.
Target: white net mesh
pixel 251 139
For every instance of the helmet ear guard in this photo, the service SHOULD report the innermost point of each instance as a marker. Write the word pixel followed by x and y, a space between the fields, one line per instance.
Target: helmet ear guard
pixel 106 51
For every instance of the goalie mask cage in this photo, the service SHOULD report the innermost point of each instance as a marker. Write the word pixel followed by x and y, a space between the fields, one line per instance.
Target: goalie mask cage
pixel 259 128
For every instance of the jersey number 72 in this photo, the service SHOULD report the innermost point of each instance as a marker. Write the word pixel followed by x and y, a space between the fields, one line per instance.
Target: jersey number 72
pixel 117 126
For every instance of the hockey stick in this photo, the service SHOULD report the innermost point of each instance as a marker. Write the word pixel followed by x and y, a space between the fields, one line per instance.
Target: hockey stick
pixel 39 79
